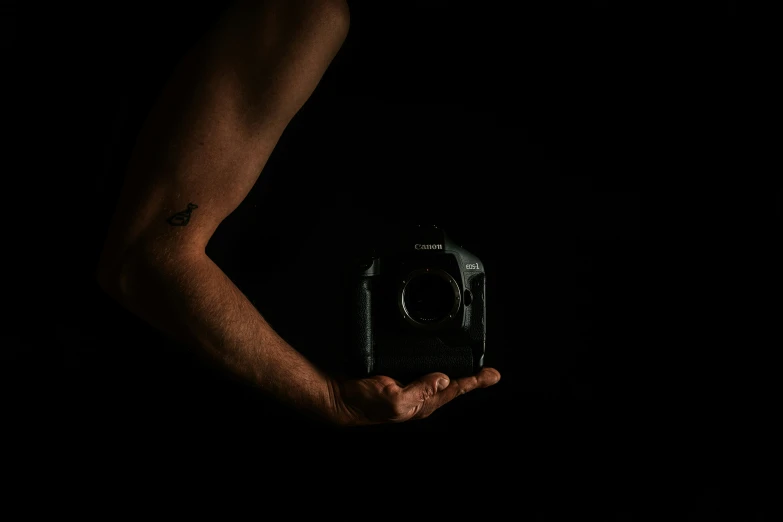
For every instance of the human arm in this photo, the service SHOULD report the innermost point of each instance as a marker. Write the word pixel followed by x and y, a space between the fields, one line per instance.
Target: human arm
pixel 205 143
pixel 201 151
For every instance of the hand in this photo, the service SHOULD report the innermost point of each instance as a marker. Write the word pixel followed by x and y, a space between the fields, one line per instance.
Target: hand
pixel 381 399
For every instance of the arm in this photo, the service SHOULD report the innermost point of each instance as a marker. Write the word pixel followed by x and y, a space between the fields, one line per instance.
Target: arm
pixel 206 142
pixel 201 151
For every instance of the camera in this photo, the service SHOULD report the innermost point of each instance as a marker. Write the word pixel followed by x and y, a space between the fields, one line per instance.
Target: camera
pixel 417 305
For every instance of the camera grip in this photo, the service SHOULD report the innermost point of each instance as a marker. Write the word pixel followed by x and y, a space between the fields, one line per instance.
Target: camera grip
pixel 361 341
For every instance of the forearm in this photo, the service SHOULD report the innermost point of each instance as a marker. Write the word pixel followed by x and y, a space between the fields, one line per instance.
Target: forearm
pixel 203 146
pixel 190 298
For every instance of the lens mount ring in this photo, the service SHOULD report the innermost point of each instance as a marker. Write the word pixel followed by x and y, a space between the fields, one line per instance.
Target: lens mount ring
pixel 445 276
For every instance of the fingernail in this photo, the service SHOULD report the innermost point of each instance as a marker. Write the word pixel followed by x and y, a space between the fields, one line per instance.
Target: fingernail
pixel 442 383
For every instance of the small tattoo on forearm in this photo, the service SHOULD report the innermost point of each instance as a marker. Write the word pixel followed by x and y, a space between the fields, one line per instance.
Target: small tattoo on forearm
pixel 180 219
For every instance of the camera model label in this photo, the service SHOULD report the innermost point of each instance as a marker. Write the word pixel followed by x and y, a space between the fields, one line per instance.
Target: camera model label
pixel 419 246
pixel 472 266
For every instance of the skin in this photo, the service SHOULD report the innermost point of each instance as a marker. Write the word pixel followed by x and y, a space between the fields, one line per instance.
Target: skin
pixel 199 154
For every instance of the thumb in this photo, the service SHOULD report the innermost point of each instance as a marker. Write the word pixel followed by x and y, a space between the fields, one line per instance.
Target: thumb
pixel 426 386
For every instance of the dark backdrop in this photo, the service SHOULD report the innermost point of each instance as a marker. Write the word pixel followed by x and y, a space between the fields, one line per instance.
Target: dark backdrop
pixel 507 128
pixel 512 129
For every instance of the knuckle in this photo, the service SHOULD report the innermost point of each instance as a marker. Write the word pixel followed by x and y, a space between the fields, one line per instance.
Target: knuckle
pixel 383 381
pixel 400 412
pixel 399 415
pixel 390 411
pixel 390 391
pixel 468 385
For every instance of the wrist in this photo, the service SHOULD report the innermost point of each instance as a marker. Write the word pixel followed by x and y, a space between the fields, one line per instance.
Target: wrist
pixel 338 412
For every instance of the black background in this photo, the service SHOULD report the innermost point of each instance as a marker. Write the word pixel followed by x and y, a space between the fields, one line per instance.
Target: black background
pixel 513 128
pixel 509 128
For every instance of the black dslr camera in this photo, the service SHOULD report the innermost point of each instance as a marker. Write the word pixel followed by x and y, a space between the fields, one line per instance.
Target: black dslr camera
pixel 417 305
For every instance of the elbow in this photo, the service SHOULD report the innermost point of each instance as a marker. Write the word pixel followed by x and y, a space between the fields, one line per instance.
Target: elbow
pixel 112 273
pixel 119 275
pixel 109 277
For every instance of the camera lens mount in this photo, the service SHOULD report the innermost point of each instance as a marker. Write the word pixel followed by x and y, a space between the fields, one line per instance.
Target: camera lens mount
pixel 428 297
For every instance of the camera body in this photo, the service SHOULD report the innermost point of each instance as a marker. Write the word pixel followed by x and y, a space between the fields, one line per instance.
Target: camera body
pixel 417 305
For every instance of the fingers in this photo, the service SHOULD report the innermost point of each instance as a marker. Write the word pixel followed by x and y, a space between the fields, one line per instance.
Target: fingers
pixel 425 395
pixel 486 377
pixel 381 399
pixel 415 396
